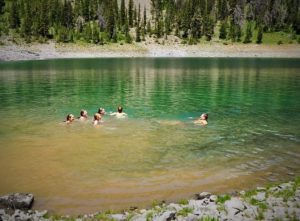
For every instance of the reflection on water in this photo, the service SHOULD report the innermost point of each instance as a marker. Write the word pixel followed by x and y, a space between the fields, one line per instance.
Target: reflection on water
pixel 157 153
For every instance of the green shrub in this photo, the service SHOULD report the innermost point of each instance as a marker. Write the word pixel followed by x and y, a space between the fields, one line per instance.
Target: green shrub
pixel 183 202
pixel 185 211
pixel 223 198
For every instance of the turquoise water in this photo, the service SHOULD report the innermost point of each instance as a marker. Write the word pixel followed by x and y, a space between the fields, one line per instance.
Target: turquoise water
pixel 157 153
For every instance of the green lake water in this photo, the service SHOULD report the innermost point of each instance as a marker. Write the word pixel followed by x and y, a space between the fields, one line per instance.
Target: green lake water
pixel 253 135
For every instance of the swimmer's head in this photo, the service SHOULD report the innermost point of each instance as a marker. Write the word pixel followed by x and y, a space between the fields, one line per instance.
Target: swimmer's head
pixel 101 111
pixel 120 109
pixel 70 117
pixel 97 116
pixel 204 116
pixel 83 113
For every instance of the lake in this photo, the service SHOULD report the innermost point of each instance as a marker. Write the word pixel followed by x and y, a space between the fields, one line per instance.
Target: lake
pixel 157 153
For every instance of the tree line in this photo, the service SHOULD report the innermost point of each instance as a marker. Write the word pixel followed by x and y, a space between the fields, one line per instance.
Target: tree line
pixel 102 21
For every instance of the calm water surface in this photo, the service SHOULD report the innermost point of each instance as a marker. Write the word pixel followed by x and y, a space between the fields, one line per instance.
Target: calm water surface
pixel 253 136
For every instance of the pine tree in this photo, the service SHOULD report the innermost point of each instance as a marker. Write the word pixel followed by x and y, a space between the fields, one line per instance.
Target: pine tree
pixel 138 28
pixel 209 28
pixel 67 15
pixel 196 25
pixel 128 38
pixel 26 24
pixel 223 30
pixel 2 4
pixel 116 9
pixel 95 33
pixel 145 21
pixel 130 13
pixel 88 34
pixel 14 19
pixel 111 22
pixel 43 24
pixel 85 5
pixel 134 16
pixel 259 35
pixel 248 36
pixel 231 33
pixel 223 10
pixel 122 13
pixel 149 28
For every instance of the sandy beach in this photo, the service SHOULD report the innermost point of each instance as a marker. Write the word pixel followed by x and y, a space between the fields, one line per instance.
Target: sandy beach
pixel 51 50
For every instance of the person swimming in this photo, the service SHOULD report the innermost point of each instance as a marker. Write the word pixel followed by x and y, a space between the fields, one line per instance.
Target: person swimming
pixel 70 118
pixel 101 111
pixel 83 115
pixel 97 119
pixel 202 120
pixel 119 113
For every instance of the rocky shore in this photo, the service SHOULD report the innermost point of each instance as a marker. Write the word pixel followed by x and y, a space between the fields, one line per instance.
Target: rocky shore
pixel 10 51
pixel 277 202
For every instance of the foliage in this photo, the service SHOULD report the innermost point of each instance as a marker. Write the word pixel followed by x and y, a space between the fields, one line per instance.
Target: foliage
pixel 183 202
pixel 223 198
pixel 184 211
pixel 208 218
pixel 68 21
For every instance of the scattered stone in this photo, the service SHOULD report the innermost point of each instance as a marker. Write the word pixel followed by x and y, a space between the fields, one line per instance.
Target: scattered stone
pixel 285 186
pixel 261 196
pixel 21 201
pixel 203 195
pixel 118 217
pixel 213 198
pixel 174 207
pixel 243 192
pixel 261 189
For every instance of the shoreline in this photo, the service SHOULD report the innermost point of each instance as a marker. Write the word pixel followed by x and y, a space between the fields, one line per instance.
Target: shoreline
pixel 36 51
pixel 272 202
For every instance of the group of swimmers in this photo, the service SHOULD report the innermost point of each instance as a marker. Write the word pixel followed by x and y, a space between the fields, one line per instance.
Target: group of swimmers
pixel 119 114
pixel 97 116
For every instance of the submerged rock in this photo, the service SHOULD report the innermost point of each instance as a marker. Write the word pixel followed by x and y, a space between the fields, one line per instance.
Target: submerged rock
pixel 22 201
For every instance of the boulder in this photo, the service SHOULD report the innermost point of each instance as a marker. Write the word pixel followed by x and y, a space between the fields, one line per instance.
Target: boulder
pixel 22 201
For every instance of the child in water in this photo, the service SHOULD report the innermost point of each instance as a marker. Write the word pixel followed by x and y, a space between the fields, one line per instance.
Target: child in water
pixel 202 120
pixel 70 118
pixel 83 115
pixel 97 119
pixel 119 113
pixel 101 111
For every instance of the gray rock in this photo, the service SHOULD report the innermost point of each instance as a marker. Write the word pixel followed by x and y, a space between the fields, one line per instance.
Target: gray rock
pixel 203 195
pixel 285 186
pixel 213 198
pixel 174 207
pixel 235 203
pixel 41 213
pixel 279 212
pixel 2 212
pixel 260 196
pixel 118 217
pixel 168 215
pixel 17 201
pixel 243 192
pixel 261 188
